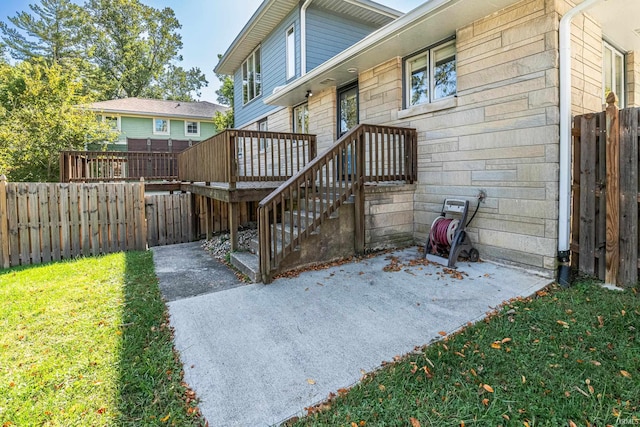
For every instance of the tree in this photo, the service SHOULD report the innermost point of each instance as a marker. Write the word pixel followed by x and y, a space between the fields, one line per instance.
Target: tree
pixel 39 117
pixel 225 97
pixel 53 31
pixel 132 43
pixel 177 84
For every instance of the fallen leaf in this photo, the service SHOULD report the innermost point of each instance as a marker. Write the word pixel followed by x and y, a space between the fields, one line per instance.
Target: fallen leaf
pixel 485 402
pixel 311 381
pixel 473 372
pixel 496 345
pixel 443 333
pixel 625 373
pixel 572 424
pixel 487 387
pixel 526 424
pixel 414 422
pixel 165 419
pixel 101 411
pixel 506 340
pixel 524 379
pixel 601 321
pixel 382 387
pixel 506 417
pixel 564 324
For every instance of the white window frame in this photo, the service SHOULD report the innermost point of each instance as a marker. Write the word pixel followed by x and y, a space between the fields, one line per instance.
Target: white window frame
pixel 615 53
pixel 106 117
pixel 429 54
pixel 295 118
pixel 290 44
pixel 186 128
pixel 156 132
pixel 252 66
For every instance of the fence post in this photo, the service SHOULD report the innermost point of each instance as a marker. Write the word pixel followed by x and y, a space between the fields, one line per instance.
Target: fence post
pixel 4 224
pixel 613 191
pixel 232 170
pixel 142 220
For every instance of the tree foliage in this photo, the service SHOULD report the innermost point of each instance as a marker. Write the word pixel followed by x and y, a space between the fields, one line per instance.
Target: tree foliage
pixel 225 97
pixel 54 30
pixel 122 48
pixel 39 117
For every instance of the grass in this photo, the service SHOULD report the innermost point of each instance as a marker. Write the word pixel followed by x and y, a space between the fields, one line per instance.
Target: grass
pixel 87 342
pixel 563 357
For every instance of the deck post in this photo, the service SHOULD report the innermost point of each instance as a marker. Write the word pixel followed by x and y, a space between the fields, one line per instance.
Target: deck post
pixel 233 225
pixel 359 213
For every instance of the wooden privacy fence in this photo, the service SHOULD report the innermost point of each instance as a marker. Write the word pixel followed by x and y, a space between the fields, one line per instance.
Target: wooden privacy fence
pixel 94 166
pixel 42 222
pixel 169 219
pixel 605 194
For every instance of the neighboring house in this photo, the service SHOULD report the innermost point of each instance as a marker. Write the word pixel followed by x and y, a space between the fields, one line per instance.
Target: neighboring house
pixel 481 81
pixel 157 125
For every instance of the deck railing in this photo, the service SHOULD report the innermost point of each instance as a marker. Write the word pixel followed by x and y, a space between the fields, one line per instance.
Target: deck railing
pixel 242 155
pixel 367 153
pixel 94 166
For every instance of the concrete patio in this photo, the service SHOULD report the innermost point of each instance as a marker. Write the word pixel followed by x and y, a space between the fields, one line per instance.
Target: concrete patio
pixel 257 354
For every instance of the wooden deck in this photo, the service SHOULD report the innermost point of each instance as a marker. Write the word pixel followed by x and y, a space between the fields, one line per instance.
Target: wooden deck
pixel 233 193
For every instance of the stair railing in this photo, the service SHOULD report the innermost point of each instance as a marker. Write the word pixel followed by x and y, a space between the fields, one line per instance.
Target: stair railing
pixel 367 153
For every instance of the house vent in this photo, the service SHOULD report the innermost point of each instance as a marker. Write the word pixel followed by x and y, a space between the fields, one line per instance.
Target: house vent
pixel 327 81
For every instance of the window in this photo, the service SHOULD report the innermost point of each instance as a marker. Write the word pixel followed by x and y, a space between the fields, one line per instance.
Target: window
pixel 192 128
pixel 613 73
pixel 291 53
pixel 262 127
pixel 161 127
pixel 251 77
pixel 431 74
pixel 301 119
pixel 112 121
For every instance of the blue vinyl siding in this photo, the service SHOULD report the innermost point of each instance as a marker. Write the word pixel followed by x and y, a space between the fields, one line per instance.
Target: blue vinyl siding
pixel 273 62
pixel 329 34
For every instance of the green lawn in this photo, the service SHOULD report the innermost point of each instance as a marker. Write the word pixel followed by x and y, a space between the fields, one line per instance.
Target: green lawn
pixel 87 342
pixel 566 356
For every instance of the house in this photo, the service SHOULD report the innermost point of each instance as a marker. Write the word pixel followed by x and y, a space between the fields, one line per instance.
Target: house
pixel 490 87
pixel 157 125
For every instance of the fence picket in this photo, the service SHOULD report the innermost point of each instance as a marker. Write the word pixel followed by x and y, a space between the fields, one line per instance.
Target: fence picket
pixel 45 224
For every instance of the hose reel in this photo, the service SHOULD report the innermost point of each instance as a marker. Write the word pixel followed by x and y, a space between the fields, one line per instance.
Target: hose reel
pixel 448 239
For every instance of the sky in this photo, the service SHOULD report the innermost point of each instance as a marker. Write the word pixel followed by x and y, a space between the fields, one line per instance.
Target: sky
pixel 208 28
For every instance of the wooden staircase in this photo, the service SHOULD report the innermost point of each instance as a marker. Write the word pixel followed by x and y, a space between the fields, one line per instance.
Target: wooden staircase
pixel 310 199
pixel 294 224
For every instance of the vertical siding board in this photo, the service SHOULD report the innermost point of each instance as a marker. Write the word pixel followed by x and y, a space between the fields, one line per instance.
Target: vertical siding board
pixel 34 223
pixel 54 218
pixel 103 216
pixel 129 218
pixel 65 223
pixel 587 195
pixel 45 223
pixel 121 218
pixel 14 226
pixel 601 200
pixel 94 223
pixel 75 191
pixel 23 224
pixel 162 229
pixel 4 224
pixel 113 218
pixel 152 225
pixel 628 274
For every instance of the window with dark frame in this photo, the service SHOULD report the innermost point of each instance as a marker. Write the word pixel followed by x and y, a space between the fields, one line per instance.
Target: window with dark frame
pixel 192 128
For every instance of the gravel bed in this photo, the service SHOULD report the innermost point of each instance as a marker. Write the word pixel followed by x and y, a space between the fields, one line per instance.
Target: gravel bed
pixel 219 246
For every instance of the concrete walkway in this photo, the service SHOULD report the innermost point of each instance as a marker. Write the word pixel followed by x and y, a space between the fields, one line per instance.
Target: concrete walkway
pixel 259 354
